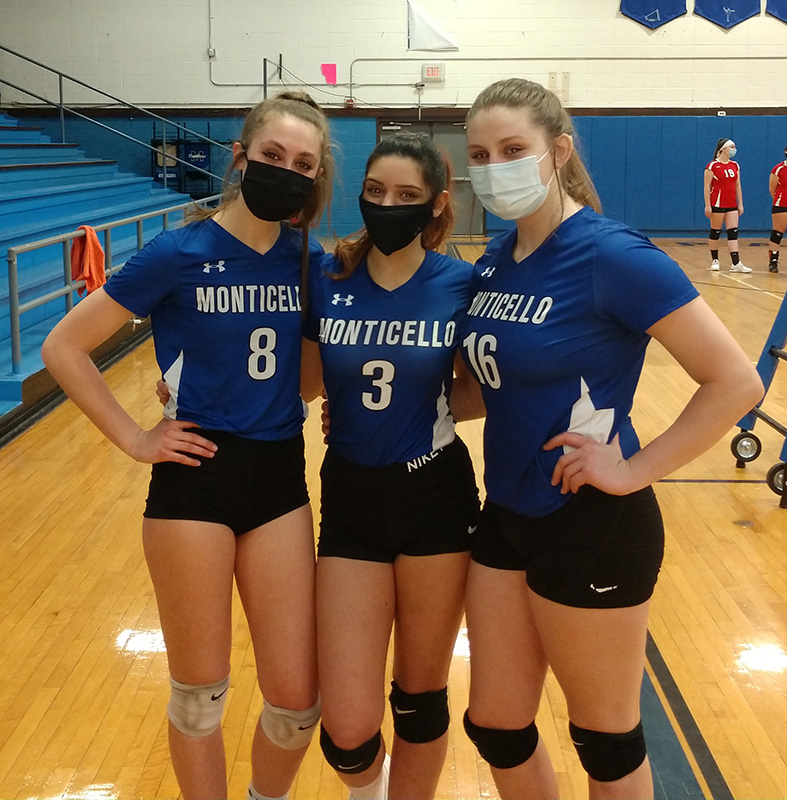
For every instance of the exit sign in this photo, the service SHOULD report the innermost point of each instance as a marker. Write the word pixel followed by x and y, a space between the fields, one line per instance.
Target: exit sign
pixel 433 72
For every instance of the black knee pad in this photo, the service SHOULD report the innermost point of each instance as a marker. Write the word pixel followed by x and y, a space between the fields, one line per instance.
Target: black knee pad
pixel 500 748
pixel 419 718
pixel 350 762
pixel 609 756
pixel 714 234
pixel 732 234
pixel 776 237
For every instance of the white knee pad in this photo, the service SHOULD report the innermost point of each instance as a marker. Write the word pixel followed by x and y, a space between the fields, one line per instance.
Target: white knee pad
pixel 288 729
pixel 196 710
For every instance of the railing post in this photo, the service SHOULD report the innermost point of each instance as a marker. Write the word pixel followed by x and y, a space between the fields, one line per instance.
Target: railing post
pixel 62 115
pixel 107 250
pixel 164 151
pixel 67 272
pixel 13 312
pixel 140 236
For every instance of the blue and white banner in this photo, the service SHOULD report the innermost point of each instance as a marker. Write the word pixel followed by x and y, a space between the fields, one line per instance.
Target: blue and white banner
pixel 777 8
pixel 727 13
pixel 653 13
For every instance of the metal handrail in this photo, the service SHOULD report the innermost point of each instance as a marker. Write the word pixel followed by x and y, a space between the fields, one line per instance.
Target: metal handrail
pixel 112 97
pixel 164 155
pixel 16 309
pixel 63 107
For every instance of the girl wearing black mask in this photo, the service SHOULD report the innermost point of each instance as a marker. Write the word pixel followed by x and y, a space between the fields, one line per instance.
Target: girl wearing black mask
pixel 399 499
pixel 227 495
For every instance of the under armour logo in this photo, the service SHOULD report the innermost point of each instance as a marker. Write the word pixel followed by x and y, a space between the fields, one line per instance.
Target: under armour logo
pixel 337 298
pixel 487 272
pixel 219 265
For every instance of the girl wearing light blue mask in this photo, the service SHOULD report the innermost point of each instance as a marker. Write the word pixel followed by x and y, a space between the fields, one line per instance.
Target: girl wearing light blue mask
pixel 724 203
pixel 570 540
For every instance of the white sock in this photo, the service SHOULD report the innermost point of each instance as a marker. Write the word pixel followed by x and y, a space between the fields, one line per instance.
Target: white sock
pixel 378 788
pixel 253 794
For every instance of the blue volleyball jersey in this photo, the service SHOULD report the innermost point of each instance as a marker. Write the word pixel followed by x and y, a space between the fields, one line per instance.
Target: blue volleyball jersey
pixel 388 358
pixel 226 325
pixel 557 342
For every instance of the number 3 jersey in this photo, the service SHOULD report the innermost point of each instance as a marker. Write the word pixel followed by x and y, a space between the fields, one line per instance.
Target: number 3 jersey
pixel 557 342
pixel 388 357
pixel 226 325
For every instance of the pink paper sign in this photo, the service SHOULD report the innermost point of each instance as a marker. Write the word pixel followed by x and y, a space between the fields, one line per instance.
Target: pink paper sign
pixel 329 73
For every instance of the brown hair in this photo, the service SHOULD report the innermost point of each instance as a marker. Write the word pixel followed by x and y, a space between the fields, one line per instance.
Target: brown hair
pixel 547 112
pixel 437 174
pixel 719 145
pixel 296 104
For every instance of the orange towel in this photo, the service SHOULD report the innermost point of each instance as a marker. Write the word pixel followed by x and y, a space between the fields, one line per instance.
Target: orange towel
pixel 87 260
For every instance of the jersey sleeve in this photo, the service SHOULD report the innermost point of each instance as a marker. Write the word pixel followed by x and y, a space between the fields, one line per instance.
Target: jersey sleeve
pixel 147 277
pixel 635 282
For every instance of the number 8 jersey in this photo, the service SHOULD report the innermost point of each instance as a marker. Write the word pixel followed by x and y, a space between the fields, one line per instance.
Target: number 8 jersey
pixel 557 342
pixel 388 357
pixel 226 326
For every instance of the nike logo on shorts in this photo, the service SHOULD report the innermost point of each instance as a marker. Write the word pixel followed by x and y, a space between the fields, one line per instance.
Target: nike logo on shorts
pixel 602 589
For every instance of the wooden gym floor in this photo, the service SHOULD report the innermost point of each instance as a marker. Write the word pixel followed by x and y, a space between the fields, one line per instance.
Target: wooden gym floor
pixel 84 678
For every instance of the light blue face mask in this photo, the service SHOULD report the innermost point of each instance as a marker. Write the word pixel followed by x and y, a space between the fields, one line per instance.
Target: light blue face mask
pixel 733 152
pixel 510 189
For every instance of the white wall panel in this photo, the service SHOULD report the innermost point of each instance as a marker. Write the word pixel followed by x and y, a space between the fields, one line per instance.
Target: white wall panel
pixel 155 52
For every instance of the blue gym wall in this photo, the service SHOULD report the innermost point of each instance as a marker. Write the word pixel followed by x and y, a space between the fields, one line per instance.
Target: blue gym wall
pixel 648 169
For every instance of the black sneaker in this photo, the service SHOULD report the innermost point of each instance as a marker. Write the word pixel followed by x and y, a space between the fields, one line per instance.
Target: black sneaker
pixel 773 266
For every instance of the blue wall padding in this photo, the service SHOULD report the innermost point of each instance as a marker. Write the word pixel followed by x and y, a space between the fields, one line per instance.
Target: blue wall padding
pixel 648 170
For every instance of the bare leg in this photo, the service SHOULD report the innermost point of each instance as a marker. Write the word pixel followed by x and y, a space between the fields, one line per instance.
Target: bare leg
pixel 355 610
pixel 191 565
pixel 598 657
pixel 716 222
pixel 429 605
pixel 731 221
pixel 779 224
pixel 274 569
pixel 508 667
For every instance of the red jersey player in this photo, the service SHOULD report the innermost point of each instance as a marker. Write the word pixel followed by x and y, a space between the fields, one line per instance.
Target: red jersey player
pixel 724 203
pixel 778 189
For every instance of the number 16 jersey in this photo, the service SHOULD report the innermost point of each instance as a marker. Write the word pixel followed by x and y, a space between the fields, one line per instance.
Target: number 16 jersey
pixel 557 342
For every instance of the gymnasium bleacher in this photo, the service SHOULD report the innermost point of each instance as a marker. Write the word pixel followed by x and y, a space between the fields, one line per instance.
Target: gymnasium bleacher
pixel 48 189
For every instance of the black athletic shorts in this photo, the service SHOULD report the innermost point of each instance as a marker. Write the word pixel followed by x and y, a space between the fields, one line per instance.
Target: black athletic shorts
pixel 778 209
pixel 246 484
pixel 722 209
pixel 422 507
pixel 596 551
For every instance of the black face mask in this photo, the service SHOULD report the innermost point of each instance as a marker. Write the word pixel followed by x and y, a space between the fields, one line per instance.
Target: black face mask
pixel 393 227
pixel 274 193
